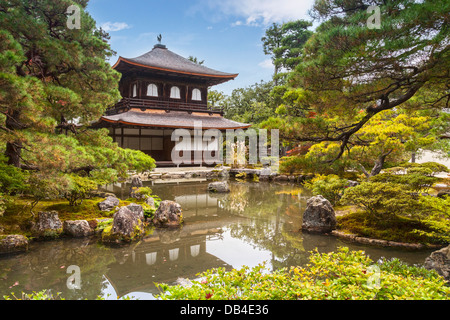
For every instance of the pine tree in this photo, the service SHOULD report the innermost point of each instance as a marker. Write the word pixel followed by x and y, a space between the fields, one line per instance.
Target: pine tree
pixel 55 80
pixel 350 64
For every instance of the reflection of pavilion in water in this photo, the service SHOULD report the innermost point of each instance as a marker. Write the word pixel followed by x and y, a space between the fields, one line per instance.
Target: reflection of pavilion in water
pixel 166 255
pixel 154 261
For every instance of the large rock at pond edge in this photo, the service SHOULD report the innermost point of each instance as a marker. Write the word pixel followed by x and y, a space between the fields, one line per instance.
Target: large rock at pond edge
pixel 219 187
pixel 126 227
pixel 13 243
pixel 169 214
pixel 440 261
pixel 319 216
pixel 109 203
pixel 137 210
pixel 48 225
pixel 77 228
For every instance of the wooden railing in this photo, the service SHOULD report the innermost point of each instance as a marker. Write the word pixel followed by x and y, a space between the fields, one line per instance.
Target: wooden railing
pixel 128 103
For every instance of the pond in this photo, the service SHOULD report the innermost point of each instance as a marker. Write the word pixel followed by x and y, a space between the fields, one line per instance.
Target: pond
pixel 255 223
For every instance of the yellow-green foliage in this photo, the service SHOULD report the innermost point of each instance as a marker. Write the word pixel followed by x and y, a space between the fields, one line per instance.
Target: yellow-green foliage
pixel 379 198
pixel 436 215
pixel 79 188
pixel 337 275
pixel 389 137
pixel 41 295
pixel 331 187
pixel 392 228
pixel 398 193
pixel 413 177
pixel 142 191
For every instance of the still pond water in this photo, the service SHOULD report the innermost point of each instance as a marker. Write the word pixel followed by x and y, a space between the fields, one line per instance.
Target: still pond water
pixel 255 223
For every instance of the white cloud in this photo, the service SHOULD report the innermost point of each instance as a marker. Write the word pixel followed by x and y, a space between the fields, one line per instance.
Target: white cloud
pixel 237 23
pixel 266 64
pixel 257 12
pixel 114 26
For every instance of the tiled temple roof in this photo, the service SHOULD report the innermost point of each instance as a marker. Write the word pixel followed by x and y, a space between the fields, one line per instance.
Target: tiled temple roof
pixel 162 59
pixel 173 119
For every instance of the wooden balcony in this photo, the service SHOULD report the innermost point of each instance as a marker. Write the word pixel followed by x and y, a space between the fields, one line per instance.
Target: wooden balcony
pixel 127 103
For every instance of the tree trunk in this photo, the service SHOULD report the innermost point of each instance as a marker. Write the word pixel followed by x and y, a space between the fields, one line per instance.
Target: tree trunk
pixel 13 148
pixel 13 151
pixel 379 164
pixel 377 167
pixel 275 76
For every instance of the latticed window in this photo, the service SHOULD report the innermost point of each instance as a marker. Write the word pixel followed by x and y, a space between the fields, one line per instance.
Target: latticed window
pixel 134 90
pixel 152 90
pixel 175 93
pixel 196 95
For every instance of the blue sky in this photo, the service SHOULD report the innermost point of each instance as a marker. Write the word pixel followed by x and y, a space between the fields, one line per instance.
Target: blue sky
pixel 225 33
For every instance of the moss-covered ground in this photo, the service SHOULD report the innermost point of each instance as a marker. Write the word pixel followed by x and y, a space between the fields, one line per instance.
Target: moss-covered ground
pixel 391 228
pixel 19 214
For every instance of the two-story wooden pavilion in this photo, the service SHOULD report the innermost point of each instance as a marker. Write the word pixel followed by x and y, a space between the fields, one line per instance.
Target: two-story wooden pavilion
pixel 161 92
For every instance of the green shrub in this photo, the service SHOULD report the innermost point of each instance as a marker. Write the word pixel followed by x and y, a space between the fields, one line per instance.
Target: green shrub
pixel 41 295
pixel 396 228
pixel 45 185
pixel 337 275
pixel 144 191
pixel 141 193
pixel 149 212
pixel 79 188
pixel 331 187
pixel 435 213
pixel 399 191
pixel 379 198
pixel 12 180
pixel 415 177
pixel 314 165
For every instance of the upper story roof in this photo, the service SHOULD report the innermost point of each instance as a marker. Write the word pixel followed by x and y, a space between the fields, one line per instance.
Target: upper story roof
pixel 163 60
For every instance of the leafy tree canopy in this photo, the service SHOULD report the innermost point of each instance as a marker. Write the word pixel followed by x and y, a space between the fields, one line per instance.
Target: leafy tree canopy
pixel 284 42
pixel 54 82
pixel 350 75
pixel 252 104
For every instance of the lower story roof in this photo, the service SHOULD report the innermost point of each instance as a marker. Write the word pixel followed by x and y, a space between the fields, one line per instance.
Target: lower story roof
pixel 173 119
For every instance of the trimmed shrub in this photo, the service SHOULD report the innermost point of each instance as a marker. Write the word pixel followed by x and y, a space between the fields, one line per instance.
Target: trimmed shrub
pixel 340 275
pixel 380 198
pixel 330 187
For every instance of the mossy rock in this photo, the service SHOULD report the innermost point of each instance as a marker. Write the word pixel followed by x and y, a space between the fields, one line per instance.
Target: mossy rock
pixel 13 244
pixel 168 215
pixel 126 227
pixel 48 225
pixel 111 237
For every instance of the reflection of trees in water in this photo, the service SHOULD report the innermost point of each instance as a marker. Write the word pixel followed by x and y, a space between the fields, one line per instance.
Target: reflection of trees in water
pixel 275 212
pixel 285 246
pixel 259 200
pixel 45 266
